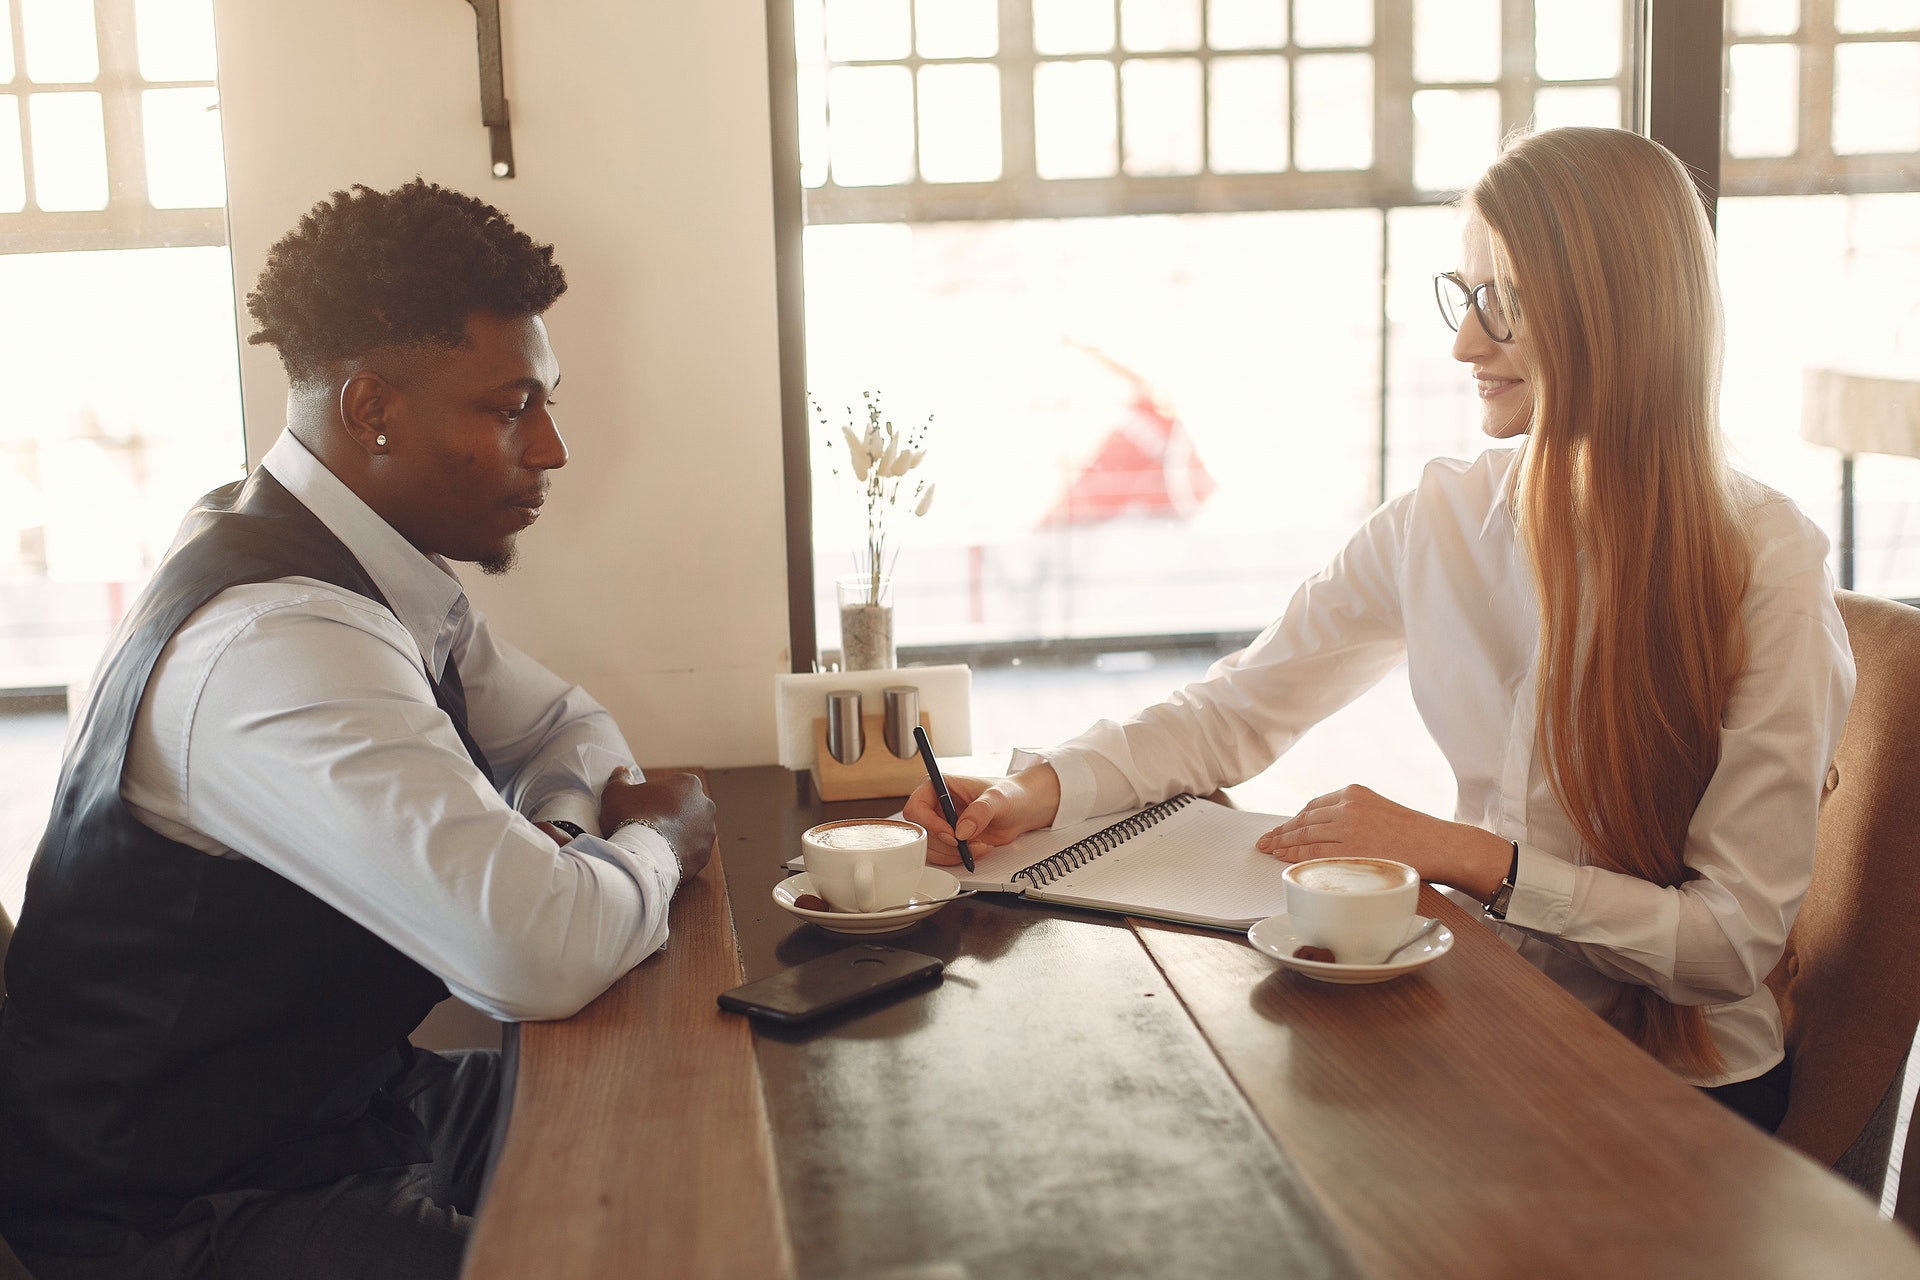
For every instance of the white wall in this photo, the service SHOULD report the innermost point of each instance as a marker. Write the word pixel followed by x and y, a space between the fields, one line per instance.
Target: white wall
pixel 657 575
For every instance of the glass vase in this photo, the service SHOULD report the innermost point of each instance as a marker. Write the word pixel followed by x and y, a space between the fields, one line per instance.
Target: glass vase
pixel 866 622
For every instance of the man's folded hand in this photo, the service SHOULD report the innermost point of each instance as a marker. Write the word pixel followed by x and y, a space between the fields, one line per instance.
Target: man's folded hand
pixel 674 804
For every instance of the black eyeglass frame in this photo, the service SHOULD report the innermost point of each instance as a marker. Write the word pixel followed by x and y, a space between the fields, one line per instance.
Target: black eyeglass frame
pixel 1474 293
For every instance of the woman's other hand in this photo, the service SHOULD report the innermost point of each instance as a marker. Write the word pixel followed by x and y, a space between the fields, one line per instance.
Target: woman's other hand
pixel 1355 822
pixel 993 811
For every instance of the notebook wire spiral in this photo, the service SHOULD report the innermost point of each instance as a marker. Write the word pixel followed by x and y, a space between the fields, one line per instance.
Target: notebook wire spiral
pixel 1081 852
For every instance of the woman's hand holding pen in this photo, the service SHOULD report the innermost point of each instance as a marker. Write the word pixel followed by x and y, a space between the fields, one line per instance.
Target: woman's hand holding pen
pixel 993 811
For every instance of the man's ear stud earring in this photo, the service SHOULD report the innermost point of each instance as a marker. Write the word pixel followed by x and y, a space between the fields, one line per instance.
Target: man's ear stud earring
pixel 381 441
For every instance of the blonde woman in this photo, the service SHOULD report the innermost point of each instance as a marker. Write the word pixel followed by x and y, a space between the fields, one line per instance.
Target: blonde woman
pixel 1629 654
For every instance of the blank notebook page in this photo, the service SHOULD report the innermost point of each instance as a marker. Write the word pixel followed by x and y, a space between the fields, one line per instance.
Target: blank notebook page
pixel 1198 861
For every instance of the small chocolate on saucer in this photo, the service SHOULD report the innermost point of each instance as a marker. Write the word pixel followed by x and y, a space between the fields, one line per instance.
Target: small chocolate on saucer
pixel 1321 954
pixel 811 902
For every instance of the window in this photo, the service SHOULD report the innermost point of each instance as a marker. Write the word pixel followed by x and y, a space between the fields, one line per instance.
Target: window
pixel 1204 230
pixel 1820 257
pixel 939 110
pixel 1822 96
pixel 1160 269
pixel 109 126
pixel 124 400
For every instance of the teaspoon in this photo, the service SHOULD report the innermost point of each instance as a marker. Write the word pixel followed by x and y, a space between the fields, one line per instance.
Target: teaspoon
pixel 1425 929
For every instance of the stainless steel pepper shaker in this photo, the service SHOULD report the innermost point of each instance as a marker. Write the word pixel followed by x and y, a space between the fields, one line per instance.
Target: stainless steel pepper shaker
pixel 903 715
pixel 846 734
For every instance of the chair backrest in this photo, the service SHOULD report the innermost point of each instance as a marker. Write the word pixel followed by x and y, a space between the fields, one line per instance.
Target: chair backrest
pixel 1906 1205
pixel 1849 982
pixel 6 936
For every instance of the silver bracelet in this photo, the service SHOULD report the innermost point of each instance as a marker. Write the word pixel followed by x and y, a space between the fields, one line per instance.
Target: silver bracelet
pixel 679 868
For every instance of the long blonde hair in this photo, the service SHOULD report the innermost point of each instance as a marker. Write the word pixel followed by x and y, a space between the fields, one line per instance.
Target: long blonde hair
pixel 1605 257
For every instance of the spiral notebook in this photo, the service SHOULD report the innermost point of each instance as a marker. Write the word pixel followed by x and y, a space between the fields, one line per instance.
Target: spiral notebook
pixel 1182 859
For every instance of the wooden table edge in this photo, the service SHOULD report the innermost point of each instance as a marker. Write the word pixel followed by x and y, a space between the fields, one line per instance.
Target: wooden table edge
pixel 568 1160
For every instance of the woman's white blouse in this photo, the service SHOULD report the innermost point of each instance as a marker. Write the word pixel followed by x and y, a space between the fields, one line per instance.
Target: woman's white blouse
pixel 1439 577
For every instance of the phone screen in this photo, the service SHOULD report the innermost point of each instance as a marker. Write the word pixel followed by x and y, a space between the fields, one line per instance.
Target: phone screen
pixel 831 982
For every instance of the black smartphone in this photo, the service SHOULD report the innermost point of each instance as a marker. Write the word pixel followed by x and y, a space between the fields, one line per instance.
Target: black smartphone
pixel 831 982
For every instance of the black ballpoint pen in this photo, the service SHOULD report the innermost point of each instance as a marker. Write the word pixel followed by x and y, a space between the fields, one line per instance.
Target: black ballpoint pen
pixel 940 790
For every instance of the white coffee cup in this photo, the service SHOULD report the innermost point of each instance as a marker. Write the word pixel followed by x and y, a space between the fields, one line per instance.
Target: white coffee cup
pixel 865 864
pixel 1357 908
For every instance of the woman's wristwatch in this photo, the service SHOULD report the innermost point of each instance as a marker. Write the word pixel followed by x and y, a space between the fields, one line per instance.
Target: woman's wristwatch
pixel 1503 896
pixel 573 829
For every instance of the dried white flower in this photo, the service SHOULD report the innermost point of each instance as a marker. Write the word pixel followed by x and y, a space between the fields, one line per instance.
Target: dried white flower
pixel 880 455
pixel 856 451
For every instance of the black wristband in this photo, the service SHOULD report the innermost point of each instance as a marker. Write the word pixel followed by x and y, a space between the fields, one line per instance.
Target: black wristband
pixel 1503 896
pixel 573 829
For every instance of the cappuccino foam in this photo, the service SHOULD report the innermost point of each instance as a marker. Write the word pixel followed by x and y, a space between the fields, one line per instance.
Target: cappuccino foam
pixel 866 835
pixel 1349 875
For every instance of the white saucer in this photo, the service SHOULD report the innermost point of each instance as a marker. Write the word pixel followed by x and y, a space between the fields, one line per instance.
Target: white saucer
pixel 1275 936
pixel 935 890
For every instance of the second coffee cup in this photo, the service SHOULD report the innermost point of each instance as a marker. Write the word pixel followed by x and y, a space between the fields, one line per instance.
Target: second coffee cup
pixel 1357 908
pixel 865 864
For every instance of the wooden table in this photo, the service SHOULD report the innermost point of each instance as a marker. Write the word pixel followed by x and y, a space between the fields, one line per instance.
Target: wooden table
pixel 1084 1095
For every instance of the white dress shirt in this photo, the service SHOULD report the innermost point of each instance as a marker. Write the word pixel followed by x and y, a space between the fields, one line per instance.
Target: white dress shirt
pixel 1440 578
pixel 291 723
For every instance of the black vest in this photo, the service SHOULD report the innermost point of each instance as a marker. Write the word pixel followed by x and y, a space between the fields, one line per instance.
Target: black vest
pixel 177 1023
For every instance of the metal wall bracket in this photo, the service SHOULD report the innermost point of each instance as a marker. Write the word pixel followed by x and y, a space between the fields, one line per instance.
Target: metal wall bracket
pixel 493 87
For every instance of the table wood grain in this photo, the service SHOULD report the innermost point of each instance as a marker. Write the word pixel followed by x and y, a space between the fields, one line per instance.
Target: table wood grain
pixel 1085 1096
pixel 1048 1110
pixel 638 1140
pixel 1473 1119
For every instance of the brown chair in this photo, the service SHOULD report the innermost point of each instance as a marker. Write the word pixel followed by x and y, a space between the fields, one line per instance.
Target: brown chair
pixel 1906 1206
pixel 1849 982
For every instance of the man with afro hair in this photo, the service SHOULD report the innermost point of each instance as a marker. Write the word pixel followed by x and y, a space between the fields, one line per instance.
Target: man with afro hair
pixel 312 793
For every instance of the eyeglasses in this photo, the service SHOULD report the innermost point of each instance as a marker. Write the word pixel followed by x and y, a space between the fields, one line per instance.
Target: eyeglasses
pixel 1456 298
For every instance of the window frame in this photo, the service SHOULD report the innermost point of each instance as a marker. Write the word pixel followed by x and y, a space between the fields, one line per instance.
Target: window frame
pixel 129 221
pixel 1814 167
pixel 1020 193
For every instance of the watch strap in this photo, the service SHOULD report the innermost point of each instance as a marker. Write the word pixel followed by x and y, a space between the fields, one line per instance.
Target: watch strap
pixel 1503 896
pixel 573 829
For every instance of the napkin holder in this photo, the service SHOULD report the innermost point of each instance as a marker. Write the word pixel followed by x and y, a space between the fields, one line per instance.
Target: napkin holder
pixel 801 703
pixel 877 773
